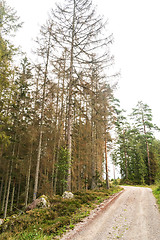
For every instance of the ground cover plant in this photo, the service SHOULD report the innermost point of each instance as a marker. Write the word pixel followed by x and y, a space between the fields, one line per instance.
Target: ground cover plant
pixel 51 222
pixel 156 192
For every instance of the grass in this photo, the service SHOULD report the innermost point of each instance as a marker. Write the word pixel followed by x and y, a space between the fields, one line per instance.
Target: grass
pixel 54 221
pixel 155 189
pixel 156 193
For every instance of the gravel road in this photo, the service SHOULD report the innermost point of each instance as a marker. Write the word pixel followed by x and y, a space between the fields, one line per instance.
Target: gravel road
pixel 132 216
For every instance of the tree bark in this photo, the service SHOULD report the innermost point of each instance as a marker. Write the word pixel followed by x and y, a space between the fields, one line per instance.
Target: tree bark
pixel 19 188
pixel 125 154
pixel 147 148
pixel 28 176
pixel 8 191
pixel 1 188
pixel 5 188
pixel 106 161
pixel 12 198
pixel 69 132
pixel 9 182
pixel 41 123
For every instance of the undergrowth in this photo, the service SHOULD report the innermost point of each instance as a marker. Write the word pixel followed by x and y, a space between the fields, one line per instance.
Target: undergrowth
pixel 51 222
pixel 156 192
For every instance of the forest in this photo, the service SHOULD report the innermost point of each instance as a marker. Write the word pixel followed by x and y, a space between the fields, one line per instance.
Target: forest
pixel 59 117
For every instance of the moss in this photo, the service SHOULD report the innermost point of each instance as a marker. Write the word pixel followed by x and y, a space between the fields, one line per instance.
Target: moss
pixel 53 221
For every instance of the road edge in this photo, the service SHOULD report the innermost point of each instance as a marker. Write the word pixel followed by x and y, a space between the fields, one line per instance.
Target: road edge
pixel 88 220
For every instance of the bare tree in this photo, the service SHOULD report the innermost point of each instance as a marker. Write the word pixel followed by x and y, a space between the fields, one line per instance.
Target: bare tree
pixel 79 31
pixel 44 52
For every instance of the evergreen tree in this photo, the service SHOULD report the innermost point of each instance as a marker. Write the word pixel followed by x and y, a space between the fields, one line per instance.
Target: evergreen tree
pixel 78 31
pixel 134 144
pixel 142 116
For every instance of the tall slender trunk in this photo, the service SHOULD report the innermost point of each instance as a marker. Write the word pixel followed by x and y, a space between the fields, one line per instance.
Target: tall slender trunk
pixel 126 164
pixel 93 184
pixel 9 182
pixel 41 125
pixel 12 198
pixel 149 164
pixel 1 189
pixel 69 132
pixel 57 140
pixel 79 184
pixel 56 170
pixel 106 161
pixel 125 155
pixel 8 191
pixel 147 148
pixel 69 140
pixel 5 188
pixel 38 165
pixel 1 154
pixel 28 176
pixel 55 180
pixel 59 123
pixel 19 188
pixel 53 168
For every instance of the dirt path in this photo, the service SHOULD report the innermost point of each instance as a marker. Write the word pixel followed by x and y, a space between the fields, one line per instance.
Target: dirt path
pixel 132 216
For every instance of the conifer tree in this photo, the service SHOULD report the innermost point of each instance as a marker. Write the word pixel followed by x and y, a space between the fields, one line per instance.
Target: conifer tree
pixel 142 115
pixel 78 30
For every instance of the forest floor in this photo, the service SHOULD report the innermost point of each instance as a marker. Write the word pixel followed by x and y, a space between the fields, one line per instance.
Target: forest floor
pixel 134 215
pixel 62 215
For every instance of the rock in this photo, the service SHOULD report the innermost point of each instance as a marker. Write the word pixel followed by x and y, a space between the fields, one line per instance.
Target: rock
pixel 1 221
pixel 41 202
pixel 44 201
pixel 67 195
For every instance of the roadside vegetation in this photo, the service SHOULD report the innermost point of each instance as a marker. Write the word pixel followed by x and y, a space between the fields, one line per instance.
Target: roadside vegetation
pixel 137 151
pixel 51 222
pixel 156 192
pixel 155 188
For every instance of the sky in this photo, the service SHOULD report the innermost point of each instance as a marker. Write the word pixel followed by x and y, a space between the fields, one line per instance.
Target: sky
pixel 135 25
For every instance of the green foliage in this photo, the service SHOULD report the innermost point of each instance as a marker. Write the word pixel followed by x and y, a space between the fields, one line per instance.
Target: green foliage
pixel 63 214
pixel 62 166
pixel 8 25
pixel 134 143
pixel 9 21
pixel 156 193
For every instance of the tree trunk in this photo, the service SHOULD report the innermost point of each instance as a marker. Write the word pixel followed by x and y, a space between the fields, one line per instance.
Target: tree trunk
pixel 19 188
pixel 37 166
pixel 149 164
pixel 69 132
pixel 8 191
pixel 5 189
pixel 12 198
pixel 41 123
pixel 1 154
pixel 9 182
pixel 147 148
pixel 1 188
pixel 28 176
pixel 126 164
pixel 106 161
pixel 69 140
pixel 93 184
pixel 53 168
pixel 125 154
